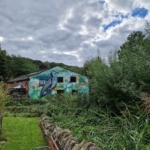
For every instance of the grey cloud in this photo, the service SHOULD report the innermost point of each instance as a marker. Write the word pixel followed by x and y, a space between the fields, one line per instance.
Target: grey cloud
pixel 41 20
pixel 94 21
pixel 55 37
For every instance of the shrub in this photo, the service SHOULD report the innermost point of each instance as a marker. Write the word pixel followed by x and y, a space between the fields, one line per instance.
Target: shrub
pixel 3 96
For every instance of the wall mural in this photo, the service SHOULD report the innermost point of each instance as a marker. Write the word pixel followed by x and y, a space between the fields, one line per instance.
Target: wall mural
pixel 57 80
pixel 50 84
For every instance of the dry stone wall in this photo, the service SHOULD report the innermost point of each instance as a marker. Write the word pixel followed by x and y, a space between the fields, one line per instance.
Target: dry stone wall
pixel 63 138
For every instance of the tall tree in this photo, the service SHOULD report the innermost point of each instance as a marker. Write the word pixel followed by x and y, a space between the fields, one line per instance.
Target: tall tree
pixel 21 66
pixel 5 72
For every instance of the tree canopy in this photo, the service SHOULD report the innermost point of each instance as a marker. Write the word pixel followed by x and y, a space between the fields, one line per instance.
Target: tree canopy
pixel 12 66
pixel 124 77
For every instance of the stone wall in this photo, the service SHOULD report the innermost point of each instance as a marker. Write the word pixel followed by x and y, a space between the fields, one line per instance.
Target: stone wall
pixel 63 138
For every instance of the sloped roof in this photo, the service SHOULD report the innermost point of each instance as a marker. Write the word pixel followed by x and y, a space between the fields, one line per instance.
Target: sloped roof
pixel 24 77
pixel 27 77
pixel 57 68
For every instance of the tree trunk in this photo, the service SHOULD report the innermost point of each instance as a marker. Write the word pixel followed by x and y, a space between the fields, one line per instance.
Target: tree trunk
pixel 1 119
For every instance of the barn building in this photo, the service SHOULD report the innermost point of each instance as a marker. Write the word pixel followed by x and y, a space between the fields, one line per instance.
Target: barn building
pixel 51 82
pixel 20 85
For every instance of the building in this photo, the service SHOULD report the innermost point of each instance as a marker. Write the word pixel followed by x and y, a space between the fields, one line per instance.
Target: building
pixel 51 82
pixel 20 85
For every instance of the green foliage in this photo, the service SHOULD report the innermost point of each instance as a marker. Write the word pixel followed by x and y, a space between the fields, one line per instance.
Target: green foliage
pixel 3 96
pixel 21 66
pixel 23 102
pixel 130 130
pixel 5 71
pixel 134 57
pixel 25 108
pixel 124 77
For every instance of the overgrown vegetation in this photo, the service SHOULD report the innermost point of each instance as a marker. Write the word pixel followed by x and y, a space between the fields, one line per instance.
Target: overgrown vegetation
pixel 124 77
pixel 3 98
pixel 129 129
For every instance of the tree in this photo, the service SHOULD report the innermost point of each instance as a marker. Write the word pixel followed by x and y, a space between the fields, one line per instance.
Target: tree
pixel 125 76
pixel 135 58
pixel 5 71
pixel 21 66
pixel 3 98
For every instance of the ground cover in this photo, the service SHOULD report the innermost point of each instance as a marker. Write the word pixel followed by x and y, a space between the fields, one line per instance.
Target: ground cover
pixel 129 130
pixel 108 131
pixel 21 134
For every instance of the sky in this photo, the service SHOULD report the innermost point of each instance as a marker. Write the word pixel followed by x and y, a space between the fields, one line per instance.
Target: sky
pixel 69 31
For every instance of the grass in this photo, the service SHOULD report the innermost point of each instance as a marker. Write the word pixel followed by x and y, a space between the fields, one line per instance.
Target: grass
pixel 130 130
pixel 109 132
pixel 21 134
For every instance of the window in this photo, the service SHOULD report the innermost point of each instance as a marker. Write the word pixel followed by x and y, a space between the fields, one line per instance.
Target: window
pixel 41 82
pixel 72 79
pixel 60 79
pixel 60 91
pixel 74 92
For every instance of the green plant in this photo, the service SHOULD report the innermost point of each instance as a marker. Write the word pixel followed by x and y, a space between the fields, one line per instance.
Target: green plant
pixel 3 96
pixel 128 130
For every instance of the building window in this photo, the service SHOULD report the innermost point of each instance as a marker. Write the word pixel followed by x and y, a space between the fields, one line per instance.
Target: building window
pixel 60 79
pixel 41 82
pixel 72 79
pixel 60 91
pixel 74 92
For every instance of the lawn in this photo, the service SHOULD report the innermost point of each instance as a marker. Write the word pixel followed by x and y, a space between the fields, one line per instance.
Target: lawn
pixel 21 134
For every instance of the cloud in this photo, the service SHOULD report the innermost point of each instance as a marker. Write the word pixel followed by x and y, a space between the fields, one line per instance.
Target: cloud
pixel 120 6
pixel 1 38
pixel 68 31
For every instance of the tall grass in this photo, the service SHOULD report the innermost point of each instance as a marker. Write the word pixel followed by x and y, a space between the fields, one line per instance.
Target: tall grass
pixel 130 130
pixel 3 96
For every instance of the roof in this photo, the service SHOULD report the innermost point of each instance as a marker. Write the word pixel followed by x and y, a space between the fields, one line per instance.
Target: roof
pixel 57 69
pixel 27 77
pixel 24 77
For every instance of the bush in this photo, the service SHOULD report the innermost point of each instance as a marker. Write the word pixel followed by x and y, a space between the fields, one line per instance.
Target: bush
pixel 25 102
pixel 3 96
pixel 128 130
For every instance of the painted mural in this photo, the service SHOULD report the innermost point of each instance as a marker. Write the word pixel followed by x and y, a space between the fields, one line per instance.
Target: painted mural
pixel 57 80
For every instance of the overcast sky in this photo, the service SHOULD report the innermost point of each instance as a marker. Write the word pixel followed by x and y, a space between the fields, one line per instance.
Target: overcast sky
pixel 68 31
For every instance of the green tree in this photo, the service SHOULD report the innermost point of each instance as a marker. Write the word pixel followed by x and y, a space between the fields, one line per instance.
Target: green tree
pixel 21 66
pixel 124 77
pixel 5 70
pixel 3 98
pixel 135 58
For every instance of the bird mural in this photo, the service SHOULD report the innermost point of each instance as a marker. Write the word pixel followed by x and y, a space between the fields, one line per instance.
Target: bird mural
pixel 50 84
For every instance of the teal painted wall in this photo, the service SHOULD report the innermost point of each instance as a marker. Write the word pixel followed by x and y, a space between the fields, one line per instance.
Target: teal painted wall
pixel 46 83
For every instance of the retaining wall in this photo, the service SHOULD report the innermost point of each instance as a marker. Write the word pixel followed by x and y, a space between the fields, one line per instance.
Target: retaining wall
pixel 63 138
